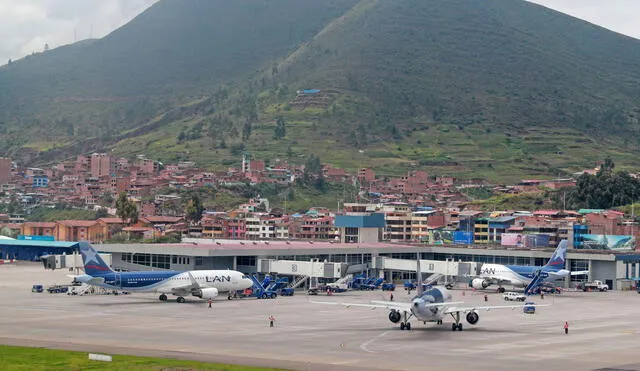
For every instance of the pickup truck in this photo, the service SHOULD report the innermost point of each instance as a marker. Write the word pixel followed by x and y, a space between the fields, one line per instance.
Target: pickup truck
pixel 595 285
pixel 514 296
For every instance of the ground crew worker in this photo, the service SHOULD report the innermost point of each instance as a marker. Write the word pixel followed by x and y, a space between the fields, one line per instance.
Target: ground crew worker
pixel 541 295
pixel 486 298
pixel 271 320
pixel 209 303
pixel 391 297
pixel 566 328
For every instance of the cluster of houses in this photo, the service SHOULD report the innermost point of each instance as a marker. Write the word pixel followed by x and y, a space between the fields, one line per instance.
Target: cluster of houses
pixel 94 181
pixel 363 223
pixel 411 208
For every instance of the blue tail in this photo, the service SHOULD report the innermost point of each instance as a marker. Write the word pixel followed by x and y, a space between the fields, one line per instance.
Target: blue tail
pixel 559 256
pixel 93 263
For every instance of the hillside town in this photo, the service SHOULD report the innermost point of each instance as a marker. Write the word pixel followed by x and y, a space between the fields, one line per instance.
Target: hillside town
pixel 415 208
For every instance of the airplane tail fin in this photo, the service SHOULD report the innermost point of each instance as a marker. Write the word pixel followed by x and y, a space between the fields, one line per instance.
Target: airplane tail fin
pixel 93 263
pixel 559 256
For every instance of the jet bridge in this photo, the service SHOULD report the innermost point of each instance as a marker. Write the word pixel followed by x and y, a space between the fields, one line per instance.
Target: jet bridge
pixel 313 269
pixel 446 268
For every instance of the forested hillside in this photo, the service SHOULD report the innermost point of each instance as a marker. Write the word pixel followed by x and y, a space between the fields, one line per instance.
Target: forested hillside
pixel 472 88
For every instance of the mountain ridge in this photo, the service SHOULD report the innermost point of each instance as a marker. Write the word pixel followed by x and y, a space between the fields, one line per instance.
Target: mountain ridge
pixel 409 83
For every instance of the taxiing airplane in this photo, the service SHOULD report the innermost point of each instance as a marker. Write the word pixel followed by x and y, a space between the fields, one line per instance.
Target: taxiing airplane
pixel 522 275
pixel 432 305
pixel 201 284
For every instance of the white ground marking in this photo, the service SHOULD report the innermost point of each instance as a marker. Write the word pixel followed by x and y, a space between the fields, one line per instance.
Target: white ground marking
pixel 364 345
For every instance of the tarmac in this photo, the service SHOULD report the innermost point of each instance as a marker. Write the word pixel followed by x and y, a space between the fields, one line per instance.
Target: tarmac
pixel 603 329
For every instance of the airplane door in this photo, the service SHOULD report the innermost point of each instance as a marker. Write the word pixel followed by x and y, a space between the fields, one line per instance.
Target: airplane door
pixel 117 282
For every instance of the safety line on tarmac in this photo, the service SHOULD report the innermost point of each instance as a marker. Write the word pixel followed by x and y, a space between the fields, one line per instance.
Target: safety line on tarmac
pixel 364 345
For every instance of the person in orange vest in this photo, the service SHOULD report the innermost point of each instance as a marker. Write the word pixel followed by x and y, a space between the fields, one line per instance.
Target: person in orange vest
pixel 271 320
pixel 566 328
pixel 209 303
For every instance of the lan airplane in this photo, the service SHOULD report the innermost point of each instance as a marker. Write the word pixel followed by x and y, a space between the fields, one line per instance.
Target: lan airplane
pixel 201 284
pixel 432 305
pixel 522 275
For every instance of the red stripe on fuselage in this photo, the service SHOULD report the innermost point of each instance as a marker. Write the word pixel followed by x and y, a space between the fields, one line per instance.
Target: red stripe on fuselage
pixel 98 267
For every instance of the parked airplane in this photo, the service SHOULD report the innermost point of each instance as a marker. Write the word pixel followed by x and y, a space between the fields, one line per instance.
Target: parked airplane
pixel 432 305
pixel 202 284
pixel 521 275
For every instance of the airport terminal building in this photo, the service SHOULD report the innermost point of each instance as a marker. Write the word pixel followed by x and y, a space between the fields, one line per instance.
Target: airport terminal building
pixel 389 260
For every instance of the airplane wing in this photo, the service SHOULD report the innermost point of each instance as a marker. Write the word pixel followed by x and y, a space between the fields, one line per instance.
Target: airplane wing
pixel 497 280
pixel 487 308
pixel 389 305
pixel 186 289
pixel 579 273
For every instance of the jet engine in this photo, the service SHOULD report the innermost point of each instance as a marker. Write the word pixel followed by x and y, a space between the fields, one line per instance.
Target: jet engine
pixel 479 283
pixel 473 318
pixel 394 316
pixel 208 293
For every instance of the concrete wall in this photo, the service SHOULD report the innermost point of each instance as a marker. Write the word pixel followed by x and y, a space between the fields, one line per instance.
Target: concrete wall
pixel 368 235
pixel 603 271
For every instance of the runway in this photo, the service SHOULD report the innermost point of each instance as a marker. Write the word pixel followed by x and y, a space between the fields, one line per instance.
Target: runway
pixel 603 330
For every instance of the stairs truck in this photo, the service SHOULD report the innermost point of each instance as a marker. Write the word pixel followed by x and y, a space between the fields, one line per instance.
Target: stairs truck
pixel 595 286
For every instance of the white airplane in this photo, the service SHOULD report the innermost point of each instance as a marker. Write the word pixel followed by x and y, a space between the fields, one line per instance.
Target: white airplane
pixel 433 305
pixel 522 275
pixel 201 284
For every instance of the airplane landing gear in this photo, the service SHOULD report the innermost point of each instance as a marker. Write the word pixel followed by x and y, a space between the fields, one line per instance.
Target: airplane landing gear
pixel 180 299
pixel 501 290
pixel 163 297
pixel 406 325
pixel 456 325
pixel 229 297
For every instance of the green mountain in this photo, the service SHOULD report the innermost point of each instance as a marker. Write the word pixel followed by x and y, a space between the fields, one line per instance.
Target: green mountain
pixel 473 88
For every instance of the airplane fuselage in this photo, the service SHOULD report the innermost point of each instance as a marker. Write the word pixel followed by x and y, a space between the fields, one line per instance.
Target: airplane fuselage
pixel 166 281
pixel 518 275
pixel 430 314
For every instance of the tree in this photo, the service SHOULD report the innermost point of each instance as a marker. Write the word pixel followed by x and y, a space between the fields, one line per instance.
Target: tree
pixel 182 136
pixel 7 232
pixel 194 209
pixel 246 131
pixel 106 198
pixel 101 213
pixel 281 129
pixel 607 167
pixel 126 209
pixel 289 153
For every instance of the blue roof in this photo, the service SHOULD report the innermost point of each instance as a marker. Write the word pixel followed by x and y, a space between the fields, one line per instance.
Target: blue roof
pixel 360 221
pixel 502 219
pixel 43 244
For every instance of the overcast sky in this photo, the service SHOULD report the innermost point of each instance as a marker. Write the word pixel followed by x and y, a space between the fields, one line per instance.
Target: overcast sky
pixel 26 25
